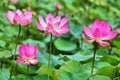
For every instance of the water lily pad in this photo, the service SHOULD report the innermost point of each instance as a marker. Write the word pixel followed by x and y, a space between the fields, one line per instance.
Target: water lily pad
pixel 64 45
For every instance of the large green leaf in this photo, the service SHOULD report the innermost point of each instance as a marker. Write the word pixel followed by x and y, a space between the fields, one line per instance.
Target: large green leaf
pixel 20 77
pixel 117 51
pixel 72 66
pixel 110 59
pixel 41 77
pixel 35 42
pixel 78 57
pixel 4 74
pixel 76 30
pixel 71 70
pixel 43 58
pixel 5 54
pixel 44 70
pixel 22 68
pixel 72 76
pixel 97 65
pixel 36 77
pixel 99 77
pixel 115 42
pixel 64 45
pixel 2 43
pixel 108 71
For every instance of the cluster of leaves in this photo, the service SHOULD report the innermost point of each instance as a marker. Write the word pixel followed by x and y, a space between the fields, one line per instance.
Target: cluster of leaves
pixel 71 57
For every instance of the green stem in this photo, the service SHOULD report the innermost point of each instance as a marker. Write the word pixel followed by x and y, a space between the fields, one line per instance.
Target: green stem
pixel 49 55
pixel 15 49
pixel 93 61
pixel 27 72
pixel 27 31
pixel 17 69
pixel 17 41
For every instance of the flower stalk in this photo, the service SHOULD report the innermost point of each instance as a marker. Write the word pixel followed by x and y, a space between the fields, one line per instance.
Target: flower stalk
pixel 49 55
pixel 17 42
pixel 27 72
pixel 15 49
pixel 93 60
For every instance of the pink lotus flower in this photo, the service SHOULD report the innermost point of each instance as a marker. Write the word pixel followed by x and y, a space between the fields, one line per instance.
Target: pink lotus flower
pixel 28 54
pixel 19 18
pixel 23 18
pixel 58 6
pixel 99 31
pixel 56 26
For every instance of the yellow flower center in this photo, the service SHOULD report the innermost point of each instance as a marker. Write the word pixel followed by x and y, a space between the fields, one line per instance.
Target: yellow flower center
pixel 53 23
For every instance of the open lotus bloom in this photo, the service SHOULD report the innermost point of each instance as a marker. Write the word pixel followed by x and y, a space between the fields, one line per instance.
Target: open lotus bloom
pixel 28 54
pixel 23 18
pixel 56 26
pixel 99 32
pixel 19 18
